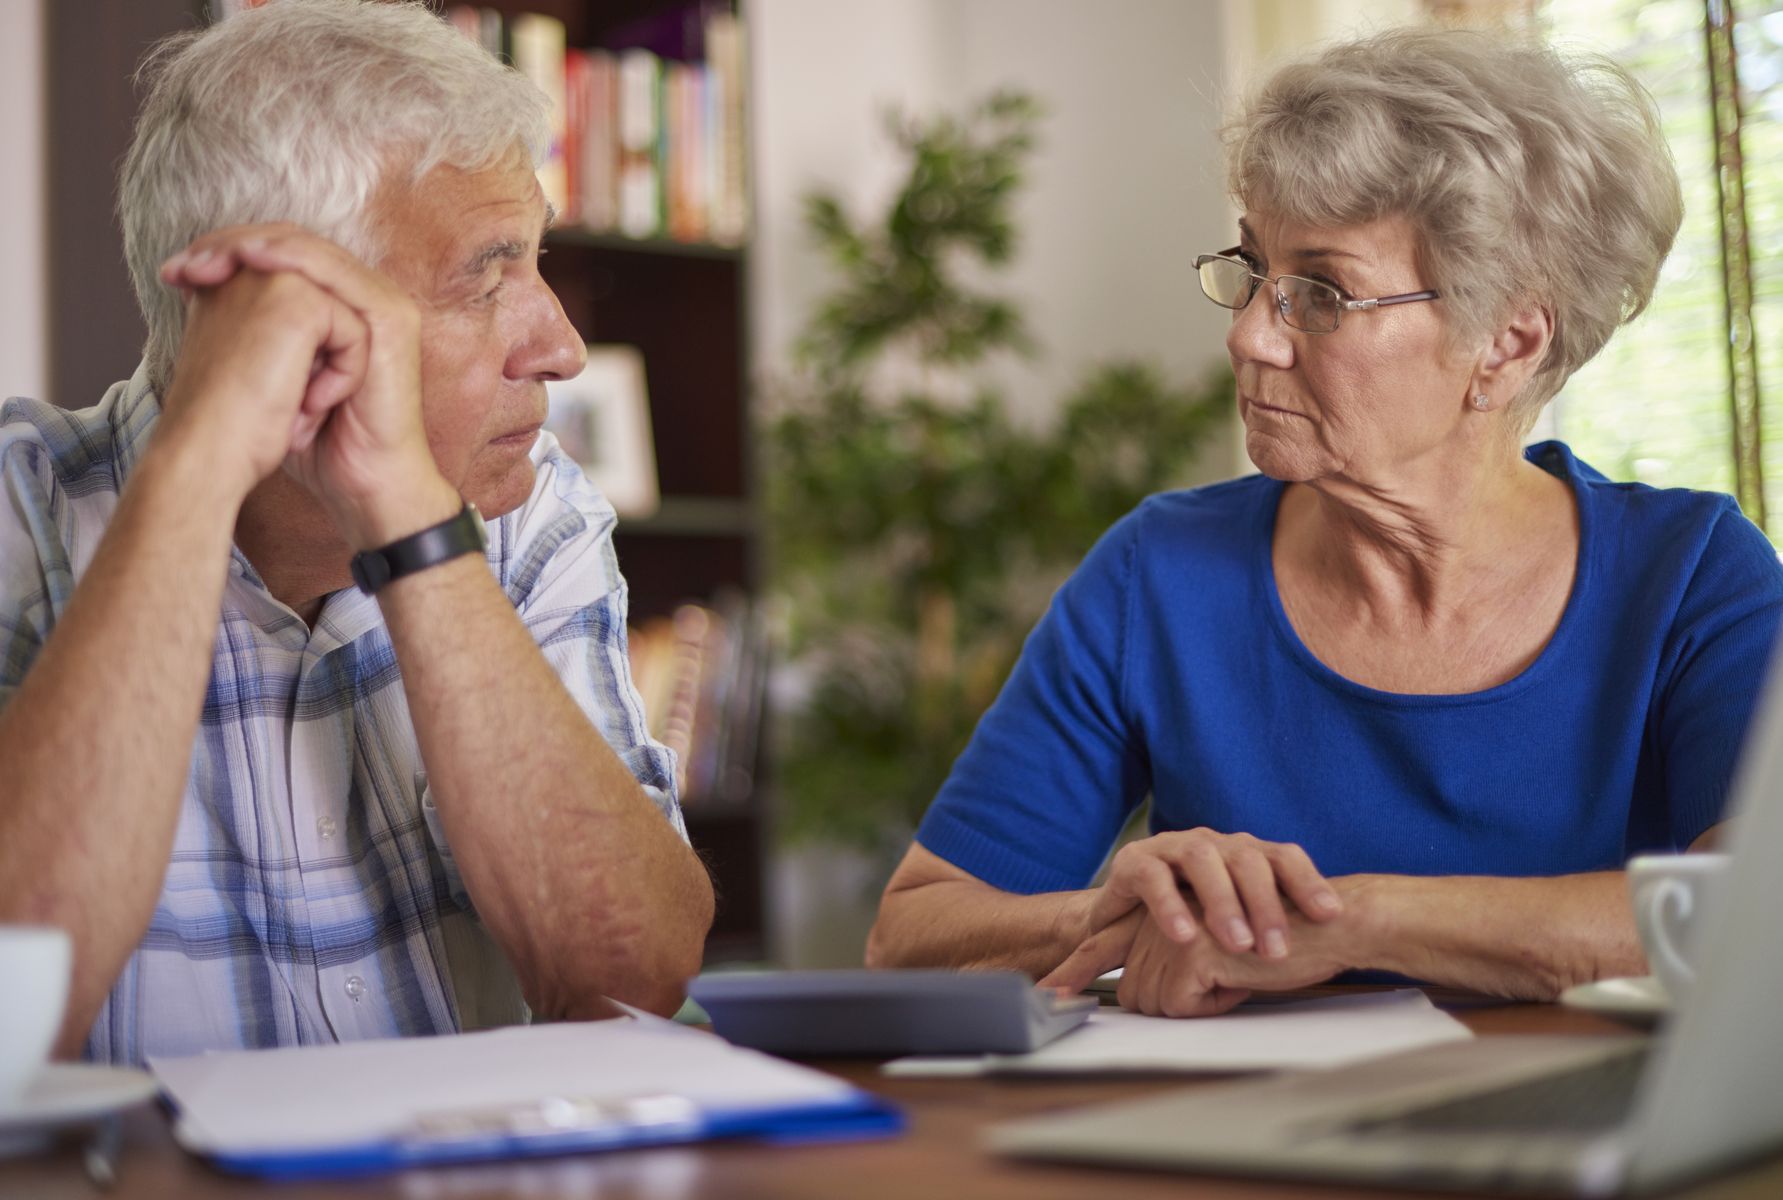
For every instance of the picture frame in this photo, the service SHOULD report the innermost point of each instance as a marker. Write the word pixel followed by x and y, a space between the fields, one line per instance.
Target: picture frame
pixel 601 419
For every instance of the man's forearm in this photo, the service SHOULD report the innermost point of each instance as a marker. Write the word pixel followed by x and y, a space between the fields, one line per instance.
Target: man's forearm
pixel 967 924
pixel 1524 938
pixel 574 871
pixel 97 741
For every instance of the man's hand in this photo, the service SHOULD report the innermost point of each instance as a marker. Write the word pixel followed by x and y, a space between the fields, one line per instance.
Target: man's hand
pixel 1236 880
pixel 358 444
pixel 265 357
pixel 1164 977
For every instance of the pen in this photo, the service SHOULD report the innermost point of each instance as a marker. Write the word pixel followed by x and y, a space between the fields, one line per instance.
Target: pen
pixel 100 1154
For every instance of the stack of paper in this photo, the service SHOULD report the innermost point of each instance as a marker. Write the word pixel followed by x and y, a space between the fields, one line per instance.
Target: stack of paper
pixel 1326 1032
pixel 366 1106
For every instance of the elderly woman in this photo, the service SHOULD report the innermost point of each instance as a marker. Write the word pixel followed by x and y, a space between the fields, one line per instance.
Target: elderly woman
pixel 1409 699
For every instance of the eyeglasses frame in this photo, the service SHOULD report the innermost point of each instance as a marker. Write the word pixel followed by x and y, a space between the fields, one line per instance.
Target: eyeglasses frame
pixel 1257 281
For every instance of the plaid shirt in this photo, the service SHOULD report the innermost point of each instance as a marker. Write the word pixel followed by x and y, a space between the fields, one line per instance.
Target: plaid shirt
pixel 311 895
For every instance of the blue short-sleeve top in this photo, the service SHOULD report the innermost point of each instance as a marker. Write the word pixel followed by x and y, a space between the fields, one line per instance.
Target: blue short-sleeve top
pixel 1166 666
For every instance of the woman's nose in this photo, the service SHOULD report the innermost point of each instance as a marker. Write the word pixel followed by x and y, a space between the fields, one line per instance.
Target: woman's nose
pixel 1258 333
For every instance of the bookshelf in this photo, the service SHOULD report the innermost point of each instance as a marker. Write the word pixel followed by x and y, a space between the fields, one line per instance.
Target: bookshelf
pixel 682 304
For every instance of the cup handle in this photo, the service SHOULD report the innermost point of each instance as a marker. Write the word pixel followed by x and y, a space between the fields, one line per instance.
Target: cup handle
pixel 1668 904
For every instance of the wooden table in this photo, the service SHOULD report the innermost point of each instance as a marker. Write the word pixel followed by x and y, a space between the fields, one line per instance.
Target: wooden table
pixel 938 1159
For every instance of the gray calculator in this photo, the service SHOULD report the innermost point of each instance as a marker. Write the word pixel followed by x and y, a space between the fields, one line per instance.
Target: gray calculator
pixel 869 1014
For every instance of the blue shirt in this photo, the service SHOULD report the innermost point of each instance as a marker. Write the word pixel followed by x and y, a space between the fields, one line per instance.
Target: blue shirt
pixel 311 895
pixel 1166 665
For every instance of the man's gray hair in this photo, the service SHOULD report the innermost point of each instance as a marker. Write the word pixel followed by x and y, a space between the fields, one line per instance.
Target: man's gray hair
pixel 1527 175
pixel 298 112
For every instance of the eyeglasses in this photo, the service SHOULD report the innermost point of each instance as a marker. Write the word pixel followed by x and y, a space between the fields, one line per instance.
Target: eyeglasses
pixel 1305 304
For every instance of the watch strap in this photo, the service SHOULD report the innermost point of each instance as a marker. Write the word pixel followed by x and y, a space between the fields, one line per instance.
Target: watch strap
pixel 462 533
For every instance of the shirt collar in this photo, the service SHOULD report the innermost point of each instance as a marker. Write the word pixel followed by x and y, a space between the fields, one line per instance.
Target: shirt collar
pixel 135 409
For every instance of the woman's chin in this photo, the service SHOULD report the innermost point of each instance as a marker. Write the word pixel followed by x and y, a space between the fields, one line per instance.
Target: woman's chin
pixel 1278 458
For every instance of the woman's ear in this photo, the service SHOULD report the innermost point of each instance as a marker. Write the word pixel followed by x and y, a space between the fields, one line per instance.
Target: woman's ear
pixel 1516 352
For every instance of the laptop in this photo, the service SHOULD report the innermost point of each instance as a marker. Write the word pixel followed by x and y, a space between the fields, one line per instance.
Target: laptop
pixel 1563 1116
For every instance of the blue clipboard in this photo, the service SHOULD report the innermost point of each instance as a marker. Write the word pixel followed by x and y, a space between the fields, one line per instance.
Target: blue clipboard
pixel 552 1090
pixel 513 1135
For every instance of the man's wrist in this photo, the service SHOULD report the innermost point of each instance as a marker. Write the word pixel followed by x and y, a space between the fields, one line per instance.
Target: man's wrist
pixel 399 510
pixel 200 468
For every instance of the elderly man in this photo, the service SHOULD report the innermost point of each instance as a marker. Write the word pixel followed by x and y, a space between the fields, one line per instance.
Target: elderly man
pixel 296 748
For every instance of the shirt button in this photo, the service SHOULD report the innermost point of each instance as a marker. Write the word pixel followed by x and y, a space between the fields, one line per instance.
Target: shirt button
pixel 325 826
pixel 235 567
pixel 355 988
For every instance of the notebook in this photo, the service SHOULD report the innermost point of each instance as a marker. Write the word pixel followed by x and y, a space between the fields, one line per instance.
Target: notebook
pixel 365 1107
pixel 1324 1032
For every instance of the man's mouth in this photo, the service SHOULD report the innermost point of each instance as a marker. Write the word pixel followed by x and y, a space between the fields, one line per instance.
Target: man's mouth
pixel 519 437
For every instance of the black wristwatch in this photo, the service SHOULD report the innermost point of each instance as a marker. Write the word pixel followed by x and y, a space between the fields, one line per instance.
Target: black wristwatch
pixel 462 534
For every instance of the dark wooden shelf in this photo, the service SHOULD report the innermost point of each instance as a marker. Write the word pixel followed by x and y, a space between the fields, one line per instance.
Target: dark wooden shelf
pixel 572 235
pixel 694 516
pixel 734 948
pixel 704 811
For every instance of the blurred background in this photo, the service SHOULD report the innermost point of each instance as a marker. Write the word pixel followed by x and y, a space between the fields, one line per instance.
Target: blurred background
pixel 909 284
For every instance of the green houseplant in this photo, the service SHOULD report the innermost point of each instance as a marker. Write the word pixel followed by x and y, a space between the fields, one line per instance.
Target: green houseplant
pixel 917 531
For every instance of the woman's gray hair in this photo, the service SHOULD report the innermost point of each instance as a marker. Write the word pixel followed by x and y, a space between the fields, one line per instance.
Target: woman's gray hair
pixel 1527 175
pixel 297 112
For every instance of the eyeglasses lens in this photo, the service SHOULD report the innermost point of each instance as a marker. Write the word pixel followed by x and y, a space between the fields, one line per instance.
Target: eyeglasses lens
pixel 1308 304
pixel 1225 282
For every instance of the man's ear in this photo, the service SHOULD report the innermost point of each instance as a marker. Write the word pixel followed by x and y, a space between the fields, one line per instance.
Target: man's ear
pixel 1518 348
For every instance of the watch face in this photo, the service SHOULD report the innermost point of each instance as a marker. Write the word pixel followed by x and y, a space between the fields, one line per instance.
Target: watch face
pixel 371 571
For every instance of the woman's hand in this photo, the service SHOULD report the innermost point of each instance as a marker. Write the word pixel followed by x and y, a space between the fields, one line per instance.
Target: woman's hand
pixel 1237 882
pixel 1162 977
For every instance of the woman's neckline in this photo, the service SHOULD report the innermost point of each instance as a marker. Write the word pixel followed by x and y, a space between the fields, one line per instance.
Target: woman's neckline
pixel 1530 675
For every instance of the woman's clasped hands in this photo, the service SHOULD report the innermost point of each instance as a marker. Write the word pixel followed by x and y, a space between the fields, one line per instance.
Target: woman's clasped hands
pixel 1198 919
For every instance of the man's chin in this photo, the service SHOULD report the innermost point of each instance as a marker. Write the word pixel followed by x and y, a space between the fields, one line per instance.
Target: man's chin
pixel 505 492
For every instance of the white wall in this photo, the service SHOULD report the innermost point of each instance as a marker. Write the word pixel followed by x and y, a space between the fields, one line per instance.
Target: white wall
pixel 1126 186
pixel 24 345
pixel 1124 189
pixel 821 73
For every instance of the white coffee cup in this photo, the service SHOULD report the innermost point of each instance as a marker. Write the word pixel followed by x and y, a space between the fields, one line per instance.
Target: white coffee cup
pixel 34 967
pixel 1669 892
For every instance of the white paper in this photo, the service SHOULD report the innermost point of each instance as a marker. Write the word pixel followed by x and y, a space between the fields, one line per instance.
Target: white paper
pixel 1330 1031
pixel 326 1097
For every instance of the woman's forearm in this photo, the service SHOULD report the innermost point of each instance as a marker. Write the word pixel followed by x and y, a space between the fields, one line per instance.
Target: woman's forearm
pixel 1524 938
pixel 970 925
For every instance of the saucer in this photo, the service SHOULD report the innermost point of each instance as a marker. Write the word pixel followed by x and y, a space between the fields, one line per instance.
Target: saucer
pixel 67 1093
pixel 1635 998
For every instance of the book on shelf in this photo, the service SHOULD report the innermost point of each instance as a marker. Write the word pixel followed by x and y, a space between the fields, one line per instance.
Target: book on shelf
pixel 675 31
pixel 539 54
pixel 640 144
pixel 699 673
pixel 684 167
pixel 482 25
pixel 726 138
pixel 591 148
pixel 649 129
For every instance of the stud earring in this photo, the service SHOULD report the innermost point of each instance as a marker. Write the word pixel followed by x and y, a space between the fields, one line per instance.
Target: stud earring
pixel 1481 402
